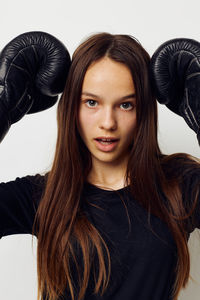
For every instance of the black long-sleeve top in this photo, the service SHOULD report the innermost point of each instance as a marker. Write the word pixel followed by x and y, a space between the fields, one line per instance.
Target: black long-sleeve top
pixel 142 262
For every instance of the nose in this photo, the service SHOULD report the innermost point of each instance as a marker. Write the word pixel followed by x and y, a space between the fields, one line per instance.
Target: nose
pixel 108 119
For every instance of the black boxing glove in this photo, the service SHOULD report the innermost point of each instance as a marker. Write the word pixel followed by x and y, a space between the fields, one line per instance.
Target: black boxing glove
pixel 33 72
pixel 175 74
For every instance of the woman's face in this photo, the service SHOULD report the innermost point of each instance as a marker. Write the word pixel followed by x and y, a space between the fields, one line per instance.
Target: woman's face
pixel 107 110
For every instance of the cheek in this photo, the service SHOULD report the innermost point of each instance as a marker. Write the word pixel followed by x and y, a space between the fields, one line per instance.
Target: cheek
pixel 129 124
pixel 130 131
pixel 85 123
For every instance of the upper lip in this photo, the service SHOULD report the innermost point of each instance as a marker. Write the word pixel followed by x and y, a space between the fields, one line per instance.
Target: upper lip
pixel 106 138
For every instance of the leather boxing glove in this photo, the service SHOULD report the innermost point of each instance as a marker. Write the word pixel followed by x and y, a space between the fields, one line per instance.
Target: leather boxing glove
pixel 175 74
pixel 33 72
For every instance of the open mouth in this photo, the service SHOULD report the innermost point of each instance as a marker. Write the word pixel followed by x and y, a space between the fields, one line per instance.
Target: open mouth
pixel 106 141
pixel 106 144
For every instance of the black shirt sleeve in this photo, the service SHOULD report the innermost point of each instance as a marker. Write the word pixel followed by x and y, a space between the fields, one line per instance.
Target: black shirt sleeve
pixel 190 187
pixel 19 200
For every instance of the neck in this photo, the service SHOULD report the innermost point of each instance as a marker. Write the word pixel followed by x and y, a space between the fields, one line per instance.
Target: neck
pixel 108 174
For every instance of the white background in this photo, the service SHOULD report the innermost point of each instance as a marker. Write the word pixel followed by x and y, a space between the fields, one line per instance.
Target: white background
pixel 29 146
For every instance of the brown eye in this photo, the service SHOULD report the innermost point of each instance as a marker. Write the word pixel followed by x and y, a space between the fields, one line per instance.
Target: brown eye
pixel 91 103
pixel 127 105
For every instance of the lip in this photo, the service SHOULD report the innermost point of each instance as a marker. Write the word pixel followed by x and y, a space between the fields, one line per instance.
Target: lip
pixel 106 148
pixel 106 137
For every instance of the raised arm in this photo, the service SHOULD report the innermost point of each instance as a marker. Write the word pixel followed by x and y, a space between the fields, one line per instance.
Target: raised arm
pixel 33 71
pixel 175 75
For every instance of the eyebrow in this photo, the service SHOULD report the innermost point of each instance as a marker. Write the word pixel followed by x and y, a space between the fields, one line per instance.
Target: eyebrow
pixel 121 99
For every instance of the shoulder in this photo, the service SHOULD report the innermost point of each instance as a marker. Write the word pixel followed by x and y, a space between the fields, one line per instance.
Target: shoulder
pixel 19 200
pixel 180 166
pixel 27 186
pixel 183 169
pixel 182 172
pixel 31 181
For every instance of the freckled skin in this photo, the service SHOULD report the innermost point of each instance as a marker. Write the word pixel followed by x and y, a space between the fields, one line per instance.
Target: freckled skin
pixel 105 114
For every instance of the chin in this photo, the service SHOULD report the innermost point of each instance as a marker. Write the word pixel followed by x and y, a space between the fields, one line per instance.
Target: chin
pixel 107 158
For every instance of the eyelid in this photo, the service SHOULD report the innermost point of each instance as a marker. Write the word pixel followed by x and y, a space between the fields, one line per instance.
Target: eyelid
pixel 125 101
pixel 129 102
pixel 86 100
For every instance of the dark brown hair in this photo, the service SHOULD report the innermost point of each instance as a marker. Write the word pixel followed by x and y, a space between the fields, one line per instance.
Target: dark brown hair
pixel 64 231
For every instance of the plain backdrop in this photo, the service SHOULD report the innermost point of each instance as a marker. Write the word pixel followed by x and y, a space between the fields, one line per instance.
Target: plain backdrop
pixel 29 146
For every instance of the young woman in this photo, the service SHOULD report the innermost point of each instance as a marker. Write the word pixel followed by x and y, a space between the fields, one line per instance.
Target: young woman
pixel 114 214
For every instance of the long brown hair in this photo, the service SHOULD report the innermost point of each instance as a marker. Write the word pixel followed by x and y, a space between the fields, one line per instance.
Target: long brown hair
pixel 62 227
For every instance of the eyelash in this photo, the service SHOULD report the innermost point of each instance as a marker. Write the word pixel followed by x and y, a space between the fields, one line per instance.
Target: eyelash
pixel 86 101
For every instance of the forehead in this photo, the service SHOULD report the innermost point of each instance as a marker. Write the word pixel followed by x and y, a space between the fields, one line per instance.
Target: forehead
pixel 108 75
